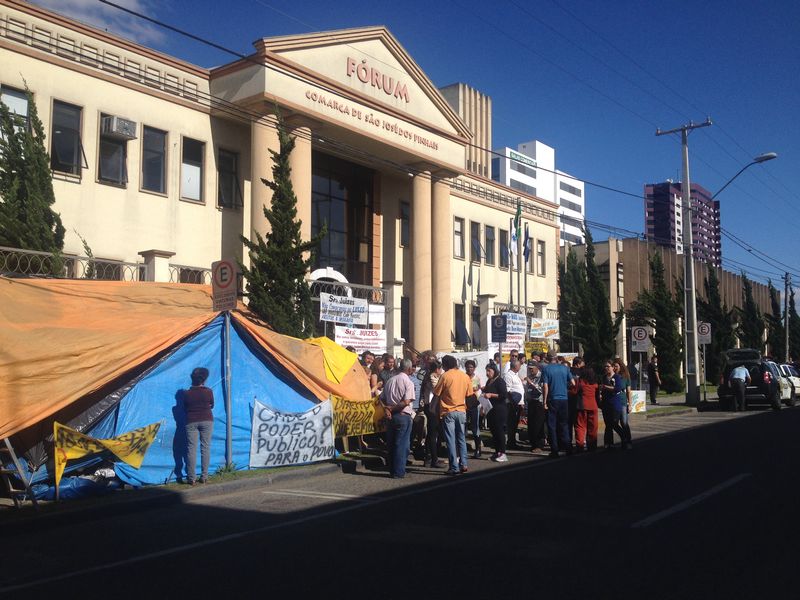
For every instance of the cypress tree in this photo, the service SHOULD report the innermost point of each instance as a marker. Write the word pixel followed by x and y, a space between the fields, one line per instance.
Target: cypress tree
pixel 598 329
pixel 775 329
pixel 751 322
pixel 279 261
pixel 658 308
pixel 723 325
pixel 27 220
pixel 794 328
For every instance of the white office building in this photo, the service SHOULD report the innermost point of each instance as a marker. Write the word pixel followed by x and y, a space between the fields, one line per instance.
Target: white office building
pixel 531 169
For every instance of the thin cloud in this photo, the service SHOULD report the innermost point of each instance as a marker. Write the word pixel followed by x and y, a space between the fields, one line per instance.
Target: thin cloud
pixel 111 19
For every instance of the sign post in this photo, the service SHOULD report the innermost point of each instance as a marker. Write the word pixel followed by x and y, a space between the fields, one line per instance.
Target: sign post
pixel 224 294
pixel 499 334
pixel 640 342
pixel 704 337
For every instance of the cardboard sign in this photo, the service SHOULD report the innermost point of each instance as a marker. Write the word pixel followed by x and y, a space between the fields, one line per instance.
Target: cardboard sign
pixel 357 417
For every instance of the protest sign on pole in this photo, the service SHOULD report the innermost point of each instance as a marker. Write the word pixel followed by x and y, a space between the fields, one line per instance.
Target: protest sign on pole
pixel 343 310
pixel 280 439
pixel 373 340
pixel 547 329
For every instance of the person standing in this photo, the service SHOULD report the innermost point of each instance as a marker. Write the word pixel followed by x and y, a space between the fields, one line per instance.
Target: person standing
pixel 535 408
pixel 474 407
pixel 573 396
pixel 556 379
pixel 430 404
pixel 453 388
pixel 388 369
pixel 622 370
pixel 495 392
pixel 739 380
pixel 613 393
pixel 198 403
pixel 586 420
pixel 515 397
pixel 653 379
pixel 398 397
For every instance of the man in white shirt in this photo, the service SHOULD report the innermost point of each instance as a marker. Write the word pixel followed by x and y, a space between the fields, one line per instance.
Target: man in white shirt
pixel 739 380
pixel 398 397
pixel 516 393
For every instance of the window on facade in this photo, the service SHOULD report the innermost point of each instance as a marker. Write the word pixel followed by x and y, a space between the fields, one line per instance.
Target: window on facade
pixel 489 244
pixel 570 188
pixel 503 241
pixel 540 257
pixel 154 160
pixel 529 263
pixel 571 205
pixel 112 159
pixel 458 237
pixel 522 187
pixel 405 224
pixel 229 194
pixel 192 170
pixel 17 103
pixel 520 168
pixel 66 150
pixel 476 326
pixel 461 334
pixel 475 241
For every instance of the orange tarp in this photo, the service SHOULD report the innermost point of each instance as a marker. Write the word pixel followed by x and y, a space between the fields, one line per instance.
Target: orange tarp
pixel 63 339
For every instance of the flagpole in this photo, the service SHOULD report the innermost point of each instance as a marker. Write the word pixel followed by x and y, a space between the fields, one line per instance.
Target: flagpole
pixel 510 270
pixel 519 270
pixel 526 256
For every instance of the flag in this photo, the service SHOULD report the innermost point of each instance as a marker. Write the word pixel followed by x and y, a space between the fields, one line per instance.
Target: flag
pixel 518 220
pixel 129 447
pixel 512 243
pixel 526 244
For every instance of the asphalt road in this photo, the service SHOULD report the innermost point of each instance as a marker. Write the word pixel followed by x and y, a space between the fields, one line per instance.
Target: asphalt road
pixel 703 507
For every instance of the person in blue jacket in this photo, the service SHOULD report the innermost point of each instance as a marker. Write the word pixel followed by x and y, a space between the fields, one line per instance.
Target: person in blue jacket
pixel 614 402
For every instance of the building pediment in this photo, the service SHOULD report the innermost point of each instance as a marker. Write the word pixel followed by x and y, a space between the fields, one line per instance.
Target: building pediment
pixel 372 64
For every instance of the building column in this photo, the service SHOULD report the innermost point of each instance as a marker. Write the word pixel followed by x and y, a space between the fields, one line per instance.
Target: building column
pixel 486 303
pixel 392 301
pixel 263 138
pixel 300 163
pixel 421 314
pixel 441 233
pixel 156 264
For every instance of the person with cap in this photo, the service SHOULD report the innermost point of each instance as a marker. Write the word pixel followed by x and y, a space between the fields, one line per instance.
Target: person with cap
pixel 739 380
pixel 556 380
pixel 495 392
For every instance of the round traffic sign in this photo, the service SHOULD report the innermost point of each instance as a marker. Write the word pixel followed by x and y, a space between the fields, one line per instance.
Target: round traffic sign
pixel 639 334
pixel 704 328
pixel 224 274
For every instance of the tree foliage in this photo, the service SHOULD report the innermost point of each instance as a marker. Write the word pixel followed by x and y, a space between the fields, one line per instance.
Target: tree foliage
pixel 794 328
pixel 27 220
pixel 776 340
pixel 658 308
pixel 723 325
pixel 751 321
pixel 584 309
pixel 279 261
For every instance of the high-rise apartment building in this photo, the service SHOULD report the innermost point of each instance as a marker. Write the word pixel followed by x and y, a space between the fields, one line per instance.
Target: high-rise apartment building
pixel 664 220
pixel 531 169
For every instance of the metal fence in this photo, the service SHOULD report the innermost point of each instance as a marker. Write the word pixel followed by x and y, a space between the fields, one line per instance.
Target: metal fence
pixel 185 274
pixel 373 295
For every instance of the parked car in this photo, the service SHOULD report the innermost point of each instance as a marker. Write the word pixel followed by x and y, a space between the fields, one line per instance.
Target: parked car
pixel 784 384
pixel 767 385
pixel 794 378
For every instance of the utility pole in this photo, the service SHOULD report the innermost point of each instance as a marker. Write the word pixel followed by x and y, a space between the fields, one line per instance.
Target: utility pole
pixel 788 280
pixel 690 304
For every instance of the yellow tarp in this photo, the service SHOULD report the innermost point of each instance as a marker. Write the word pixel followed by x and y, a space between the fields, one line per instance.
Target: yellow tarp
pixel 338 361
pixel 61 340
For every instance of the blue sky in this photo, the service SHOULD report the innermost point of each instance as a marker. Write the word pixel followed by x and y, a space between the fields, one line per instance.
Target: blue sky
pixel 592 79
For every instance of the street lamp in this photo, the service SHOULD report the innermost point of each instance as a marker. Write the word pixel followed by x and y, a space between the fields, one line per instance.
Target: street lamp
pixel 758 159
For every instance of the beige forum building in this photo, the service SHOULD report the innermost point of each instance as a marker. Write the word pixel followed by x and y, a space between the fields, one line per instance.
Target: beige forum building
pixel 157 164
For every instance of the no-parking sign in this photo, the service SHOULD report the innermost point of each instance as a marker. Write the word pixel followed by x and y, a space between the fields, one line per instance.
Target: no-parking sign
pixel 223 285
pixel 640 340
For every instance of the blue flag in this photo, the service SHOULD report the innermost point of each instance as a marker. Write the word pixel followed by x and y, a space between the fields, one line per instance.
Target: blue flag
pixel 526 244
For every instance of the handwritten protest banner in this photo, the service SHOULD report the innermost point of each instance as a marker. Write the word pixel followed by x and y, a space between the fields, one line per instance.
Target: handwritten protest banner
pixel 129 447
pixel 280 439
pixel 343 309
pixel 357 417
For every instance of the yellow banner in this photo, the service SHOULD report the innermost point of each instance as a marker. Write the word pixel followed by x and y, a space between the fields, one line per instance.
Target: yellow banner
pixel 532 348
pixel 129 447
pixel 357 417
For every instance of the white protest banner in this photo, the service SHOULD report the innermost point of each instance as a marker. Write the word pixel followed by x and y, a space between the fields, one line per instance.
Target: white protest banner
pixel 377 314
pixel 373 340
pixel 546 329
pixel 481 359
pixel 279 439
pixel 342 309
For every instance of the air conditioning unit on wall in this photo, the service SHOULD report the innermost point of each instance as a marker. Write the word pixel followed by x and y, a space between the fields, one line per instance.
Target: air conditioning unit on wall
pixel 119 128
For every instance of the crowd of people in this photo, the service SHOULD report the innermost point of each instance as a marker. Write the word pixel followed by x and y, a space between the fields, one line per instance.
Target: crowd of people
pixel 426 400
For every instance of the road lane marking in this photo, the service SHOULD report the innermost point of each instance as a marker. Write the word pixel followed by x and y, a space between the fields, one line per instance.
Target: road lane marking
pixel 690 502
pixel 316 495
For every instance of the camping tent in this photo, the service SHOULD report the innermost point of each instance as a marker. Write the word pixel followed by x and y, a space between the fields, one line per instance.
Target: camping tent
pixel 107 357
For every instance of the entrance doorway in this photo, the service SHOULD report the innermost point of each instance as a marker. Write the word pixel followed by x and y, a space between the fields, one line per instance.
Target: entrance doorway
pixel 341 197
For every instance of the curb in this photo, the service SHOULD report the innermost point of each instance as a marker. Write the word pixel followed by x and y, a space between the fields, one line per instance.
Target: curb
pixel 669 413
pixel 129 500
